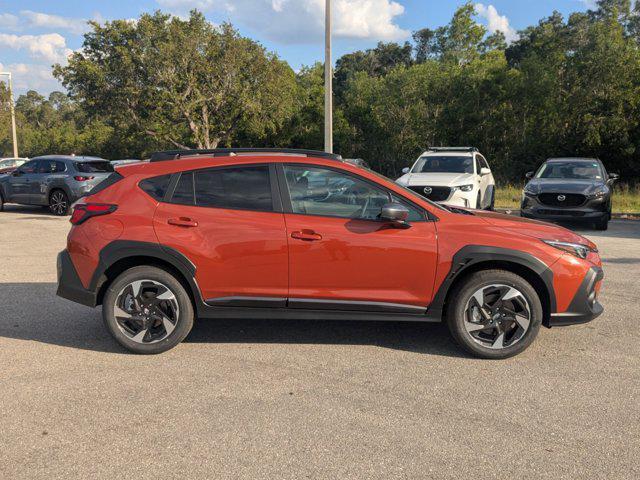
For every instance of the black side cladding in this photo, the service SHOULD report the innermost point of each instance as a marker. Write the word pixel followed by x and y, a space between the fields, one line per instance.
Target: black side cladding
pixel 115 177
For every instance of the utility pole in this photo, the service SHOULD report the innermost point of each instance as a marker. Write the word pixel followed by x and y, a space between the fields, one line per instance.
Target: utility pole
pixel 328 82
pixel 13 116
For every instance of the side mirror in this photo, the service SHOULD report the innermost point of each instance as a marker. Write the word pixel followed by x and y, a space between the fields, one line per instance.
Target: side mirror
pixel 405 170
pixel 16 173
pixel 613 177
pixel 529 175
pixel 396 213
pixel 485 171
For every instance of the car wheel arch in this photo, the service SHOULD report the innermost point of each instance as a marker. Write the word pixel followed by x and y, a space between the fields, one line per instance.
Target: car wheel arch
pixel 474 258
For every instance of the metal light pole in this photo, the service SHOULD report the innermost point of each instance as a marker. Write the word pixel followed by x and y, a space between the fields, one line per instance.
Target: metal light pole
pixel 13 116
pixel 328 82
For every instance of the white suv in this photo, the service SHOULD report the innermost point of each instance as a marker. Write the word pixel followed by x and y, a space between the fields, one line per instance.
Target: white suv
pixel 457 176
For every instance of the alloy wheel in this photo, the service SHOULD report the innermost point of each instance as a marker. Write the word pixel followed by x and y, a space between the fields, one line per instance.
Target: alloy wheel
pixel 497 316
pixel 146 311
pixel 58 203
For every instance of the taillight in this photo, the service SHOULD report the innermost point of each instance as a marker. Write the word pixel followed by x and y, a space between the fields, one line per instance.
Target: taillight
pixel 80 178
pixel 84 211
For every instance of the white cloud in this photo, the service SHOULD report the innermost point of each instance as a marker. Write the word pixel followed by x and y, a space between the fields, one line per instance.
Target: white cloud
pixel 44 20
pixel 496 22
pixel 302 21
pixel 8 21
pixel 31 77
pixel 51 47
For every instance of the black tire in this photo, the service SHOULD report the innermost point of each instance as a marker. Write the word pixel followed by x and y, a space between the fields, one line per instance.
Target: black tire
pixel 461 296
pixel 492 204
pixel 602 224
pixel 59 203
pixel 1 203
pixel 479 202
pixel 183 322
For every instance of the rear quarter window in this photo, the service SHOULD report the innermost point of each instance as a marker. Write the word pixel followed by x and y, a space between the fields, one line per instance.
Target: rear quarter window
pixel 156 187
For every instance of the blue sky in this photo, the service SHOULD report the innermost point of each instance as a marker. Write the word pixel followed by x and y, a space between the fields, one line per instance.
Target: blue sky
pixel 36 33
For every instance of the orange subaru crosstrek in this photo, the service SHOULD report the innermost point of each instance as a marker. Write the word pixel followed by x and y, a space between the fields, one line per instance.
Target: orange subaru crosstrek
pixel 238 233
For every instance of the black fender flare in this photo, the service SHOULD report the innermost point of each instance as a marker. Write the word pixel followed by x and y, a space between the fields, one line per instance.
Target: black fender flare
pixel 122 249
pixel 471 255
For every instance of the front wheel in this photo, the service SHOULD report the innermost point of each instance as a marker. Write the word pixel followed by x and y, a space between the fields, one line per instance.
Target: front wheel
pixel 147 310
pixel 494 314
pixel 602 224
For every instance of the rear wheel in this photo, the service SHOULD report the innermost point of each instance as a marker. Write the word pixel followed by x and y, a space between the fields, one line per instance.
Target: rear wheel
pixel 494 314
pixel 1 203
pixel 58 203
pixel 147 310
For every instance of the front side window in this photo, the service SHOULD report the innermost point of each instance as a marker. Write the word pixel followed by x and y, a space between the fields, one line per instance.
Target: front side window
pixel 29 167
pixel 326 192
pixel 444 164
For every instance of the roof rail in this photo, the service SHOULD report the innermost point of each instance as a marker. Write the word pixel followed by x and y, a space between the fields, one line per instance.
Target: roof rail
pixel 226 152
pixel 452 149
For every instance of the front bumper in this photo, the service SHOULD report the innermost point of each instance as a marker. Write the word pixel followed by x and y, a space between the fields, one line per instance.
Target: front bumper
pixel 69 284
pixel 585 306
pixel 592 210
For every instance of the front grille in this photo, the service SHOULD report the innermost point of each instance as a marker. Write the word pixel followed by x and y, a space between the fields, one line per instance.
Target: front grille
pixel 438 194
pixel 562 199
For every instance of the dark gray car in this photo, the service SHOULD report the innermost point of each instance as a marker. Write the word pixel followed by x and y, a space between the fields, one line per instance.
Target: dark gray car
pixel 55 181
pixel 569 189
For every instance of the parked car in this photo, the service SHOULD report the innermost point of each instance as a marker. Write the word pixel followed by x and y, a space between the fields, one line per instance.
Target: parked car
pixel 8 165
pixel 55 181
pixel 208 234
pixel 458 176
pixel 358 162
pixel 125 161
pixel 569 189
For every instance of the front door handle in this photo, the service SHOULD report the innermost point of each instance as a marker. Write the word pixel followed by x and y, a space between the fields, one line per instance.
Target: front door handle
pixel 306 235
pixel 182 222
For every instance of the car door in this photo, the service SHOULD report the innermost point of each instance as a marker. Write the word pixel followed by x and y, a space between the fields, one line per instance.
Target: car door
pixel 341 256
pixel 19 182
pixel 229 223
pixel 38 182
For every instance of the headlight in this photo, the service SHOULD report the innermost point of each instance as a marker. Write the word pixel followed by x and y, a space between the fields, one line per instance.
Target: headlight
pixel 577 249
pixel 463 188
pixel 601 192
pixel 530 190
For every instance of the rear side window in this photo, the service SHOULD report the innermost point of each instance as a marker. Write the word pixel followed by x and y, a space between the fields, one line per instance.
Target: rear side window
pixel 156 187
pixel 244 188
pixel 94 167
pixel 236 188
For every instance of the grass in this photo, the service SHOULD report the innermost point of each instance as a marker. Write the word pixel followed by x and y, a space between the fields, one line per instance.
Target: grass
pixel 626 199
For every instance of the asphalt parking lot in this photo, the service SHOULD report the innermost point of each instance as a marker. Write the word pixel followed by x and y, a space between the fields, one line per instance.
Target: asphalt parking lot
pixel 287 399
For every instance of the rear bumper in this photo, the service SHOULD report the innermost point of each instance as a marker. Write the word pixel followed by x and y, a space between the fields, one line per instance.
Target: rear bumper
pixel 585 306
pixel 69 284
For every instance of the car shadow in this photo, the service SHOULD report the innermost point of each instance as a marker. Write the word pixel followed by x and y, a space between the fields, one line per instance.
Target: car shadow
pixel 41 212
pixel 32 312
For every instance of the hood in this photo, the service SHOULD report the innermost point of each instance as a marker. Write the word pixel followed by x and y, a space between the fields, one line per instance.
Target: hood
pixel 532 228
pixel 437 179
pixel 563 185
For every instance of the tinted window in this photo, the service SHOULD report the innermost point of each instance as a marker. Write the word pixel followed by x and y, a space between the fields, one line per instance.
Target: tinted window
pixel 94 167
pixel 184 190
pixel 319 191
pixel 157 186
pixel 245 188
pixel 29 167
pixel 51 166
pixel 444 164
pixel 483 162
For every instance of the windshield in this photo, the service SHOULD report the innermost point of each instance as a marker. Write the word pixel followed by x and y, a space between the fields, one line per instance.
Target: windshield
pixel 443 164
pixel 94 167
pixel 571 170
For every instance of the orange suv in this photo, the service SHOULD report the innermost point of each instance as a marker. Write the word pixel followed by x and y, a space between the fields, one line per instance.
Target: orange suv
pixel 238 233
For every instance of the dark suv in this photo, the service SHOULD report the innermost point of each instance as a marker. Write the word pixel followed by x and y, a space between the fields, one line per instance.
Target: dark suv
pixel 55 181
pixel 575 189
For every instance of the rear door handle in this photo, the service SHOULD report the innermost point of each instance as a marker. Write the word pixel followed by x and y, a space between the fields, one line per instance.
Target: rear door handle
pixel 182 222
pixel 306 235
